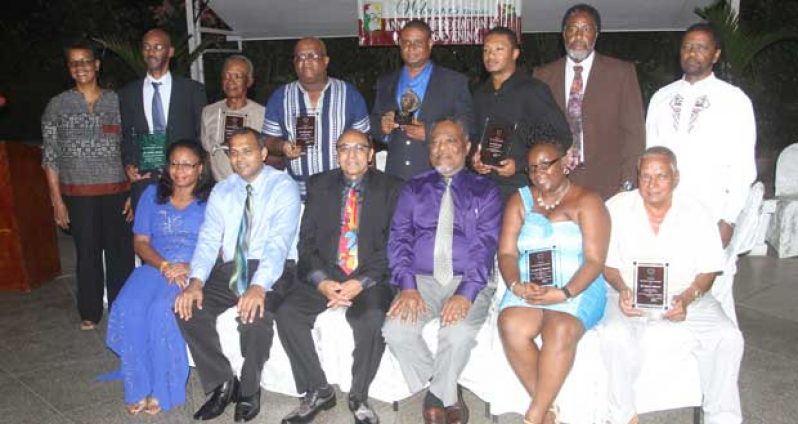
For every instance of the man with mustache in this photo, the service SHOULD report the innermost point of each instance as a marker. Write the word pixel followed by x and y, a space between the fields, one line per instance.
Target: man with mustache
pixel 601 99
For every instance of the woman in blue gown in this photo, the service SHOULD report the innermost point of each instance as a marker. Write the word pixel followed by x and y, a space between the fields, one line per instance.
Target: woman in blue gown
pixel 142 329
pixel 552 248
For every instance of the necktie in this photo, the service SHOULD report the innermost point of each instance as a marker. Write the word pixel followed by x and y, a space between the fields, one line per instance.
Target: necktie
pixel 239 280
pixel 347 243
pixel 442 270
pixel 158 117
pixel 575 114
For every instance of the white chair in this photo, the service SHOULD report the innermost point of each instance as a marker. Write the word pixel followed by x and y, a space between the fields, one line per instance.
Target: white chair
pixel 782 233
pixel 742 241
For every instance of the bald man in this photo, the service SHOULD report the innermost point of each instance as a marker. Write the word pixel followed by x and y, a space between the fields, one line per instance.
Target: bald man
pixel 162 105
pixel 314 111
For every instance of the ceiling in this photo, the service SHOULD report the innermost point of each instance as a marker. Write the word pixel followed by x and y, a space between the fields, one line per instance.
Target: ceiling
pixel 281 19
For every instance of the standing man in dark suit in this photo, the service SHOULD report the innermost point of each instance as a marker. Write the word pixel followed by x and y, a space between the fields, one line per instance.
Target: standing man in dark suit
pixel 160 103
pixel 601 98
pixel 342 263
pixel 513 100
pixel 438 92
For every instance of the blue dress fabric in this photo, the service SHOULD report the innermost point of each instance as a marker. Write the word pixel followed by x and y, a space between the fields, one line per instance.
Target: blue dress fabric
pixel 537 232
pixel 142 329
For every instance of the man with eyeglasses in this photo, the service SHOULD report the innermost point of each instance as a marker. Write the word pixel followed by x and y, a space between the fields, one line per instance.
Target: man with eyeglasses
pixel 441 247
pixel 305 117
pixel 600 97
pixel 342 264
pixel 160 107
pixel 421 92
pixel 249 226
pixel 515 102
pixel 234 111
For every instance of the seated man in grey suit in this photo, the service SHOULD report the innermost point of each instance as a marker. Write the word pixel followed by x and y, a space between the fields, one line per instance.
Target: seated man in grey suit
pixel 441 247
pixel 250 223
pixel 426 92
pixel 342 263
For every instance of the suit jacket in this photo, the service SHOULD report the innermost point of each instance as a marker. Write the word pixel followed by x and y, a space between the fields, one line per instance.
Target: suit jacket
pixel 447 95
pixel 612 121
pixel 321 227
pixel 184 116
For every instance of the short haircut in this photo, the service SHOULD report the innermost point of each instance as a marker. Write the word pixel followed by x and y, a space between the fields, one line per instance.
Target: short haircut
pixel 204 185
pixel 659 151
pixel 80 44
pixel 161 31
pixel 316 40
pixel 260 138
pixel 582 8
pixel 507 32
pixel 547 134
pixel 418 24
pixel 242 58
pixel 365 136
pixel 706 28
pixel 457 121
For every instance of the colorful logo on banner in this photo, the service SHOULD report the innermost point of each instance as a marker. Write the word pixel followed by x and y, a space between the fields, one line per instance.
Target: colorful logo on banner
pixel 452 21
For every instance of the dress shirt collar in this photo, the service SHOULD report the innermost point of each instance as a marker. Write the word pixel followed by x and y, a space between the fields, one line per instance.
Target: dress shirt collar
pixel 166 79
pixel 511 81
pixel 457 178
pixel 258 183
pixel 586 64
pixel 710 79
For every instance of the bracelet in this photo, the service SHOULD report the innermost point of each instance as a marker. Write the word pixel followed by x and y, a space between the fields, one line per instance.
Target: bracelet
pixel 566 292
pixel 163 266
pixel 513 285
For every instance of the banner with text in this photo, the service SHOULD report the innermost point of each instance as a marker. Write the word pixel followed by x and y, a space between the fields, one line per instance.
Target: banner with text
pixel 452 21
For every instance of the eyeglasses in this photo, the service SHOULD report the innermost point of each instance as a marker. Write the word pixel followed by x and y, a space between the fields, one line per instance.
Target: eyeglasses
pixel 698 48
pixel 183 166
pixel 154 47
pixel 414 44
pixel 360 149
pixel 80 62
pixel 302 57
pixel 543 166
pixel 584 28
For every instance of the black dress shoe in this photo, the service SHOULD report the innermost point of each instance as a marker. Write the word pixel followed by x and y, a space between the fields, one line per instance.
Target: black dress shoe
pixel 218 401
pixel 312 403
pixel 247 407
pixel 362 412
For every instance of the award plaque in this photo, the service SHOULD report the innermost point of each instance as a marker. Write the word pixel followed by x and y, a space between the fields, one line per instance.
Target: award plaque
pixel 152 150
pixel 495 142
pixel 229 122
pixel 542 266
pixel 650 285
pixel 305 131
pixel 409 103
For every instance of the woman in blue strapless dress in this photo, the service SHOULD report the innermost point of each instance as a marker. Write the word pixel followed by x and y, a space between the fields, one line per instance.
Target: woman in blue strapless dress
pixel 142 328
pixel 558 232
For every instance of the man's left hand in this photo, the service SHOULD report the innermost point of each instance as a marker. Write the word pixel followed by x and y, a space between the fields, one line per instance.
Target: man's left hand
pixel 506 168
pixel 726 232
pixel 127 210
pixel 415 131
pixel 350 289
pixel 252 304
pixel 455 310
pixel 678 310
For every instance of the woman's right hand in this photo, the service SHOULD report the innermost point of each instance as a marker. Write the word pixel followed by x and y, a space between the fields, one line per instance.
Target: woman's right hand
pixel 61 214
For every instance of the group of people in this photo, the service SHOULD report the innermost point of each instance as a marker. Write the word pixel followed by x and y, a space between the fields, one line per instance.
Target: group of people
pixel 430 238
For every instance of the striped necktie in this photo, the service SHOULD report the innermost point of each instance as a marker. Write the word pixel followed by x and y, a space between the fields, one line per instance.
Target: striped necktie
pixel 239 280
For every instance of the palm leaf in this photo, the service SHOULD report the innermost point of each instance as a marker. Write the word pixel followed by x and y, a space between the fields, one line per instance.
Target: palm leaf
pixel 128 52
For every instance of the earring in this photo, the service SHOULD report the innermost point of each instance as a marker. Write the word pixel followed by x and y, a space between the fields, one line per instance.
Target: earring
pixel 566 171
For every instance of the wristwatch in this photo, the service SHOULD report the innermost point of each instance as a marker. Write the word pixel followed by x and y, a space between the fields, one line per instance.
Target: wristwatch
pixel 567 293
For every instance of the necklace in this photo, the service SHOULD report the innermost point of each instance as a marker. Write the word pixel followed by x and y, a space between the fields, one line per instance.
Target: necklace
pixel 549 207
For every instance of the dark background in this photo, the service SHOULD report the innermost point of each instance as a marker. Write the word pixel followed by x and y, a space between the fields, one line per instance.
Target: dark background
pixel 32 68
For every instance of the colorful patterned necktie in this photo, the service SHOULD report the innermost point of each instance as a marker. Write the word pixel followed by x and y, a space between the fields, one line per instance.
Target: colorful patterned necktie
pixel 442 267
pixel 239 280
pixel 158 117
pixel 347 243
pixel 575 117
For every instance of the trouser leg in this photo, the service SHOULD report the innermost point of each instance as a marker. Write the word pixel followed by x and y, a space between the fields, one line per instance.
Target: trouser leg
pixel 295 319
pixel 117 242
pixel 619 336
pixel 719 354
pixel 366 317
pixel 84 211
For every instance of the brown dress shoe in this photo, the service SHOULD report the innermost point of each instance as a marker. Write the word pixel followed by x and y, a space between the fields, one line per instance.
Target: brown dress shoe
pixel 457 413
pixel 434 415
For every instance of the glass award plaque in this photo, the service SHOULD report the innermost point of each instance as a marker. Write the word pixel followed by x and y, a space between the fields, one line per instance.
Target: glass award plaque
pixel 496 142
pixel 305 131
pixel 152 150
pixel 409 103
pixel 650 285
pixel 229 122
pixel 542 265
